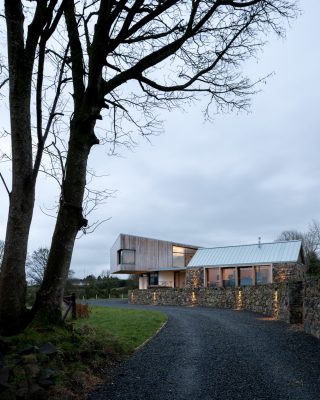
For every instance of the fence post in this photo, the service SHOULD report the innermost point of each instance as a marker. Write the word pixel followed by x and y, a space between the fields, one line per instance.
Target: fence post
pixel 74 309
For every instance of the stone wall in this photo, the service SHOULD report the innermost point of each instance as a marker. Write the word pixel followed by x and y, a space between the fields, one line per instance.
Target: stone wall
pixel 311 306
pixel 194 278
pixel 280 301
pixel 288 272
pixel 293 302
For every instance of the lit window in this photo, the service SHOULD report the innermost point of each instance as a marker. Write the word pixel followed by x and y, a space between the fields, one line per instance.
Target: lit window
pixel 126 256
pixel 263 274
pixel 245 276
pixel 181 256
pixel 213 277
pixel 228 277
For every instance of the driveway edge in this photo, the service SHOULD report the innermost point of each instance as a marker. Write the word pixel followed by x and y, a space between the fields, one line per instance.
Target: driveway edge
pixel 140 347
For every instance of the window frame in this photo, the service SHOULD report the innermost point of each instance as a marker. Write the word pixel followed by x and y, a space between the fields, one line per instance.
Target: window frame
pixel 267 267
pixel 185 254
pixel 154 275
pixel 120 257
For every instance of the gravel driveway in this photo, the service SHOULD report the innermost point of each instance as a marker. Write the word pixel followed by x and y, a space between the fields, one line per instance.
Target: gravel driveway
pixel 206 353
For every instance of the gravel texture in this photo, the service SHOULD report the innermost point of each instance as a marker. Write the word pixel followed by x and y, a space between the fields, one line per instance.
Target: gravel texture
pixel 205 353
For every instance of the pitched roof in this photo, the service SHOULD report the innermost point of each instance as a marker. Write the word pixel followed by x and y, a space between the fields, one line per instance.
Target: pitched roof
pixel 264 253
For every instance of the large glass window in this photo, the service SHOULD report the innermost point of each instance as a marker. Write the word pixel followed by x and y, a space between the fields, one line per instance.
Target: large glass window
pixel 181 256
pixel 245 274
pixel 178 256
pixel 213 277
pixel 263 274
pixel 154 278
pixel 228 277
pixel 126 256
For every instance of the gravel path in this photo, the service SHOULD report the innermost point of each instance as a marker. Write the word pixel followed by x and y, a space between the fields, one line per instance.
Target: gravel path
pixel 213 354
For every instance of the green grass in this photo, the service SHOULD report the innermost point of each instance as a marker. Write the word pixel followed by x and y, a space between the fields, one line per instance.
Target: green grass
pixel 130 328
pixel 87 348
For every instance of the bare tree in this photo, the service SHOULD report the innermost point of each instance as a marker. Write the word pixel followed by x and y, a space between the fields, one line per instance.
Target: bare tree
pixel 126 60
pixel 311 244
pixel 290 235
pixel 143 55
pixel 36 265
pixel 25 77
pixel 105 274
pixel 312 237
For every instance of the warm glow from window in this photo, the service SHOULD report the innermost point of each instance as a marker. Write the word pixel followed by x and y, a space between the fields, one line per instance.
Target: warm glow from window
pixel 263 274
pixel 181 256
pixel 228 277
pixel 246 276
pixel 213 277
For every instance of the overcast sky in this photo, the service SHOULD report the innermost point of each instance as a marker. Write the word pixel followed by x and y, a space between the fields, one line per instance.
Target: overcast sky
pixel 221 183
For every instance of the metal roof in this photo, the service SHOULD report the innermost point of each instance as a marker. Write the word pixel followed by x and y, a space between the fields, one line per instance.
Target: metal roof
pixel 263 253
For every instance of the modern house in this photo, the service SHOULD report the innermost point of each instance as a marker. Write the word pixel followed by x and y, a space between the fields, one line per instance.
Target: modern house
pixel 158 262
pixel 175 265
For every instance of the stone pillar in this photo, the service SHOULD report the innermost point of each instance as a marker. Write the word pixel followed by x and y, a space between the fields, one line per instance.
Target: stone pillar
pixel 254 282
pixel 236 276
pixel 194 278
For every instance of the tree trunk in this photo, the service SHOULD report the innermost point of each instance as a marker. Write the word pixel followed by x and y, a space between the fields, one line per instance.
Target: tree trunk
pixel 20 62
pixel 69 221
pixel 12 281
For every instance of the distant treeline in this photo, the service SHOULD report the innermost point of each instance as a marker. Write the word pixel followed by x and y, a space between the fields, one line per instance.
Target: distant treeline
pixel 104 286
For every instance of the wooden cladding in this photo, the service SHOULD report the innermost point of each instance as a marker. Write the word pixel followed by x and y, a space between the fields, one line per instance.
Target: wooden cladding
pixel 150 254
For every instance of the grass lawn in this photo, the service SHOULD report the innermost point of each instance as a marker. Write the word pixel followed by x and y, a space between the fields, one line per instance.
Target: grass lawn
pixel 130 328
pixel 85 350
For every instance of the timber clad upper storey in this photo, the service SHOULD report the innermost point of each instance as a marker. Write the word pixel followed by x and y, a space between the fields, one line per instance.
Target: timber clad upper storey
pixel 176 265
pixel 135 254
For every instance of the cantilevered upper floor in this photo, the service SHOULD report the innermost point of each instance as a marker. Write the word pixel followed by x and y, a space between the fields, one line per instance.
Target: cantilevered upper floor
pixel 134 254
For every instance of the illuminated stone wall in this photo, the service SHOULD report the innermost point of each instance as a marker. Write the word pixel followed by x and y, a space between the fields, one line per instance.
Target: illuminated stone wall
pixel 281 301
pixel 194 278
pixel 311 307
pixel 288 272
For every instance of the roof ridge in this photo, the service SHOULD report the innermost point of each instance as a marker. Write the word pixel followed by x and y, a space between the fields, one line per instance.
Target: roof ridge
pixel 251 244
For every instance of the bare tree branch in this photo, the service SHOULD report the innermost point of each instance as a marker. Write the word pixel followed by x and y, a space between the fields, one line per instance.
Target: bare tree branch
pixel 5 185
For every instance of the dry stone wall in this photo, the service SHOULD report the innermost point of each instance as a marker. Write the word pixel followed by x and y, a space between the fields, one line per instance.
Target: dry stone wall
pixel 282 301
pixel 194 278
pixel 293 302
pixel 288 272
pixel 311 306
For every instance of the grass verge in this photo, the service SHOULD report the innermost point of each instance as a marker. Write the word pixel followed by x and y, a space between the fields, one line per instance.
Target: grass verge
pixel 130 328
pixel 78 356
